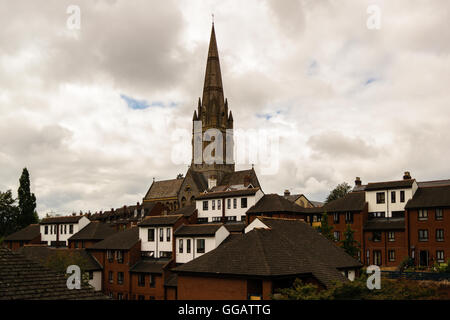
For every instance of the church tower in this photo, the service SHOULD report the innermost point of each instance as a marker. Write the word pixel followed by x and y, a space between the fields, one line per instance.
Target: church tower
pixel 212 111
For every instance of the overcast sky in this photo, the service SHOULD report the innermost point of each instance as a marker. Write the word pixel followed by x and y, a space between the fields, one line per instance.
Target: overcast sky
pixel 92 112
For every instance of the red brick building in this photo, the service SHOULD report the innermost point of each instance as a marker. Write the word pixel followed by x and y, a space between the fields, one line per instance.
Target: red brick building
pixel 94 232
pixel 271 255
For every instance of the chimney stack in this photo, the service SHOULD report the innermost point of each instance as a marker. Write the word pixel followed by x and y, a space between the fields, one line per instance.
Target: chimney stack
pixel 287 193
pixel 357 181
pixel 407 175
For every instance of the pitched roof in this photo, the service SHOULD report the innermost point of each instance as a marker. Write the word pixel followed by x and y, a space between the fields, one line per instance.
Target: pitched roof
pixel 199 179
pixel 122 240
pixel 164 189
pixel 353 201
pixel 28 233
pixel 430 197
pixel 21 278
pixel 186 211
pixel 406 183
pixel 67 219
pixel 288 248
pixel 149 266
pixel 275 203
pixel 235 227
pixel 208 229
pixel 239 177
pixel 95 230
pixel 171 280
pixel 385 224
pixel 43 254
pixel 167 220
pixel 434 183
pixel 232 193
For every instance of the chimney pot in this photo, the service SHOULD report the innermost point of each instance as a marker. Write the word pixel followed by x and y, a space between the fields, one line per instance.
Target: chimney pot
pixel 287 193
pixel 357 181
pixel 407 175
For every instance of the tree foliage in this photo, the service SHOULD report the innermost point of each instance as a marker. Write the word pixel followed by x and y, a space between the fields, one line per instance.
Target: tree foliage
pixel 357 290
pixel 325 228
pixel 349 244
pixel 339 192
pixel 27 202
pixel 9 213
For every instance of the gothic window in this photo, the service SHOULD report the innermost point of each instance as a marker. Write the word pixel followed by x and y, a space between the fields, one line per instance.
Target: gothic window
pixel 183 202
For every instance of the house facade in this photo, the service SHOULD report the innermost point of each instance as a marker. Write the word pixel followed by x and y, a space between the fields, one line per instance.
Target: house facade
pixel 56 231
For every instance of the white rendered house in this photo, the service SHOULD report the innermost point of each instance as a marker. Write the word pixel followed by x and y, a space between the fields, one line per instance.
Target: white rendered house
pixel 55 231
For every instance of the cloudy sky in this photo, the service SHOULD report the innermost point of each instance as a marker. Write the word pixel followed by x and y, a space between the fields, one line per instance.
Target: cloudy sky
pixel 96 113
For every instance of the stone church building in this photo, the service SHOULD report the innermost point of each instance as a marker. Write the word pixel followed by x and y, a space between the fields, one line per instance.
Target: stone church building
pixel 203 175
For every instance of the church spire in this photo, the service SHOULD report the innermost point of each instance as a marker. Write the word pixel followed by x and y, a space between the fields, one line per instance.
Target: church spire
pixel 213 97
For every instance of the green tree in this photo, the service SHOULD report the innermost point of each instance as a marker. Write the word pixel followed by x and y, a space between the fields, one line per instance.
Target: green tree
pixel 9 213
pixel 349 244
pixel 27 202
pixel 339 192
pixel 325 229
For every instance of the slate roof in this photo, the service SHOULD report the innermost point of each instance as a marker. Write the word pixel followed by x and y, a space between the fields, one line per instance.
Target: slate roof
pixel 164 189
pixel 94 231
pixel 379 224
pixel 186 211
pixel 434 183
pixel 275 203
pixel 67 219
pixel 430 197
pixel 122 240
pixel 353 201
pixel 28 233
pixel 24 279
pixel 235 227
pixel 167 220
pixel 199 180
pixel 192 230
pixel 288 248
pixel 232 193
pixel 42 254
pixel 239 177
pixel 149 266
pixel 371 186
pixel 171 281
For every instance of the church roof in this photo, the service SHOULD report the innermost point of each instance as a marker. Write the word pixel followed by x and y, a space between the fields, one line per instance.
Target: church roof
pixel 164 189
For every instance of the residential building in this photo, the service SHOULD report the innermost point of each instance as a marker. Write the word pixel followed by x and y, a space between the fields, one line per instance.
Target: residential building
pixel 270 255
pixel 428 224
pixel 55 231
pixel 28 235
pixel 193 241
pixel 94 232
pixel 117 254
pixel 228 205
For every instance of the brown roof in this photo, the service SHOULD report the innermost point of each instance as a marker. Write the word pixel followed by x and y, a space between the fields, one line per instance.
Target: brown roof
pixel 353 201
pixel 24 279
pixel 122 240
pixel 275 203
pixel 199 180
pixel 232 193
pixel 288 248
pixel 164 189
pixel 43 254
pixel 389 185
pixel 430 197
pixel 239 177
pixel 149 266
pixel 235 227
pixel 160 220
pixel 186 211
pixel 94 231
pixel 28 233
pixel 67 219
pixel 385 224
pixel 434 183
pixel 208 229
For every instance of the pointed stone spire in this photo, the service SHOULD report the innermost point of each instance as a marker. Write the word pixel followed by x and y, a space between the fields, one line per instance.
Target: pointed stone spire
pixel 194 118
pixel 213 98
